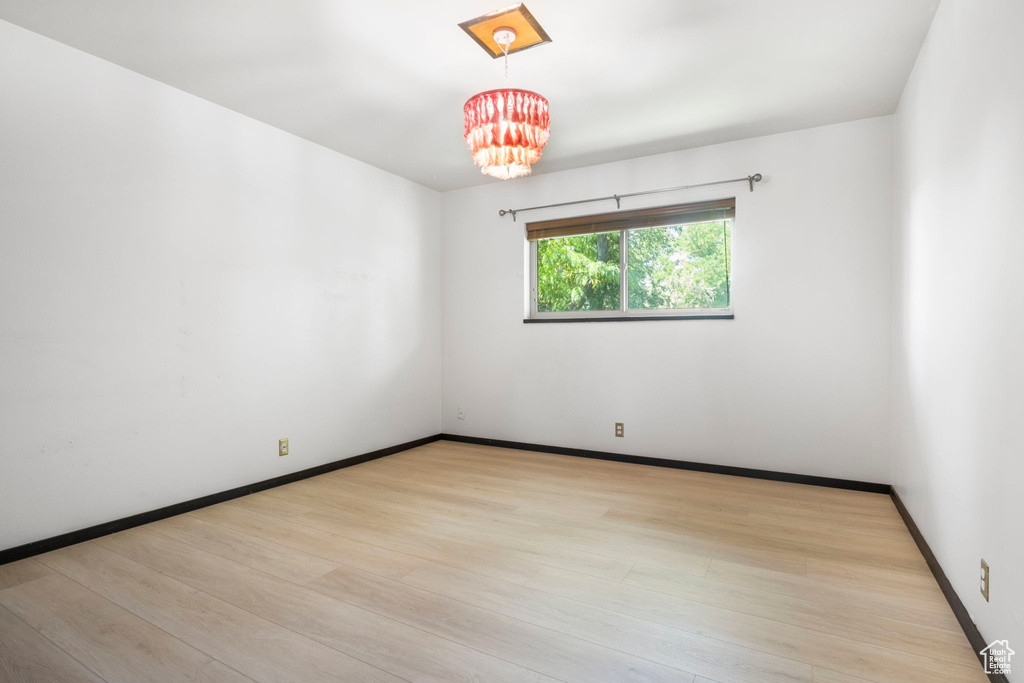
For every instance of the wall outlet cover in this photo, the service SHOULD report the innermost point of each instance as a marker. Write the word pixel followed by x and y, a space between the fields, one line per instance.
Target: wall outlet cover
pixel 282 447
pixel 984 579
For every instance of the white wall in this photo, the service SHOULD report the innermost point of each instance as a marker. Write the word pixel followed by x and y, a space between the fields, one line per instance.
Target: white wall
pixel 959 343
pixel 799 382
pixel 180 286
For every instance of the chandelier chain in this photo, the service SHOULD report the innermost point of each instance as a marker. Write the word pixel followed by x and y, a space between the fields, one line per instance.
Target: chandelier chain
pixel 504 49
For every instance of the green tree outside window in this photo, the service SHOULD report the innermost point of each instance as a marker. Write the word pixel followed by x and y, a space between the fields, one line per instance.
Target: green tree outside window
pixel 673 267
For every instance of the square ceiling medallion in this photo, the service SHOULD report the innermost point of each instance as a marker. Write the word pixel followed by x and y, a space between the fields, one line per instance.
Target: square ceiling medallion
pixel 529 33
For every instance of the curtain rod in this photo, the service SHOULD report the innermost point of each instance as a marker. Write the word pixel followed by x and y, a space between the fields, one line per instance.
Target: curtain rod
pixel 750 179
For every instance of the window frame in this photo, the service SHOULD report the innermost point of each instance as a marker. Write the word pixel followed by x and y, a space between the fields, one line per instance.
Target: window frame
pixel 624 313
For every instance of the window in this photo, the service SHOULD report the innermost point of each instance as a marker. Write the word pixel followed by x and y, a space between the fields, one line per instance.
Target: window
pixel 664 262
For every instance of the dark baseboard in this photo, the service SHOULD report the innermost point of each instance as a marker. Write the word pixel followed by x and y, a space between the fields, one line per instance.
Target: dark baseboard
pixel 72 537
pixel 966 623
pixel 848 484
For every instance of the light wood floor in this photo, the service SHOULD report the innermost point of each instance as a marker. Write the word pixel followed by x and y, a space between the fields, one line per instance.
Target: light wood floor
pixel 463 563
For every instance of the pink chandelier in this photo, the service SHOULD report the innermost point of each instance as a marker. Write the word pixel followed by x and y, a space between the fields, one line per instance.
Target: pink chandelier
pixel 506 129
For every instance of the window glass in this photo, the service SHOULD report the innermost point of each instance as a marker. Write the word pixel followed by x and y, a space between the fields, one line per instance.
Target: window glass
pixel 679 267
pixel 579 273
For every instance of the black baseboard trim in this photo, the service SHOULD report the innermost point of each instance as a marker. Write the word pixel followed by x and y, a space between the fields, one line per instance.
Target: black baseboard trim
pixel 974 636
pixel 72 537
pixel 771 475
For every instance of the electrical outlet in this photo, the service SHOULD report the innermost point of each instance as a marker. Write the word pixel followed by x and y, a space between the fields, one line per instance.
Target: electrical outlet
pixel 462 413
pixel 282 447
pixel 620 429
pixel 984 579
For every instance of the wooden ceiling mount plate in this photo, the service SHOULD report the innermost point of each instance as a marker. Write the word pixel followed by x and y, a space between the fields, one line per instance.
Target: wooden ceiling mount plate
pixel 529 33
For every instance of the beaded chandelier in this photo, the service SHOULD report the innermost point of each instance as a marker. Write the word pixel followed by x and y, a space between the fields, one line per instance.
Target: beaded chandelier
pixel 506 129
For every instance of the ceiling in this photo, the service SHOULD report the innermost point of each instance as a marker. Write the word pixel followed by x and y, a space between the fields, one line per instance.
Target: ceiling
pixel 384 81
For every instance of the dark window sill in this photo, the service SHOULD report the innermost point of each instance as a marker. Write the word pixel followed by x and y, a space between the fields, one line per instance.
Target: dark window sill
pixel 630 318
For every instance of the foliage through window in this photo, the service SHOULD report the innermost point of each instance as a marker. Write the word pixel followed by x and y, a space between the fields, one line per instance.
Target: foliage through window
pixel 681 268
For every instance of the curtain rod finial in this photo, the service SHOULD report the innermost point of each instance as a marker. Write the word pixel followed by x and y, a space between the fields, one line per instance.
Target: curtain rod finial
pixel 756 178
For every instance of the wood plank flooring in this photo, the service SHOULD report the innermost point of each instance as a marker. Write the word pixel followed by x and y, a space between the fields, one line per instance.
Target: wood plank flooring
pixel 453 562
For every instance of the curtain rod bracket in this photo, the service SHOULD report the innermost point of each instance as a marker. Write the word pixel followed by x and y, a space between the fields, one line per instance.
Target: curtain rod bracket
pixel 618 201
pixel 756 178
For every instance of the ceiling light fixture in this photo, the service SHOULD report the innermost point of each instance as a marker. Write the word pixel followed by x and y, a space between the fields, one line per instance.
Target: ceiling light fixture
pixel 506 129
